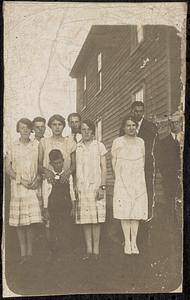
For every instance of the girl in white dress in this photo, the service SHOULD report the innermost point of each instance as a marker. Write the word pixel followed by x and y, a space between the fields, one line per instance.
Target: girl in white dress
pixel 130 202
pixel 21 166
pixel 90 186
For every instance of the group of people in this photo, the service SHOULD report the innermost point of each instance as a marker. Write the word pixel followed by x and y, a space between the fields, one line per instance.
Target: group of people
pixel 62 180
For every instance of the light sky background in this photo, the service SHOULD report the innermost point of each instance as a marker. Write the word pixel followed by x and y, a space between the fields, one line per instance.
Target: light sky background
pixel 42 41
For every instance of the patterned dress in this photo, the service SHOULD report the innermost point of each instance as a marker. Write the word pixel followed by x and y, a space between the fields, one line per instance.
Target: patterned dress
pixel 24 203
pixel 130 196
pixel 64 144
pixel 88 179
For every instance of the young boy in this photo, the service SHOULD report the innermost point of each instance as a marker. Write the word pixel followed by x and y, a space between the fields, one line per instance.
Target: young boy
pixel 58 207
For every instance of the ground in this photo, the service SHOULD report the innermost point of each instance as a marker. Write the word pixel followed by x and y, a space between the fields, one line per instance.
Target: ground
pixel 156 269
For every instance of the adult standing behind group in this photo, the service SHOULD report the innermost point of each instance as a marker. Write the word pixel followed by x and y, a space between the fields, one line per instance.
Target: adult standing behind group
pixel 130 202
pixel 149 133
pixel 74 122
pixel 170 164
pixel 39 127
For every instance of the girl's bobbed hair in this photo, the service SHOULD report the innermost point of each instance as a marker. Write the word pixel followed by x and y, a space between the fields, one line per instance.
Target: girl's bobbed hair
pixel 90 124
pixel 25 121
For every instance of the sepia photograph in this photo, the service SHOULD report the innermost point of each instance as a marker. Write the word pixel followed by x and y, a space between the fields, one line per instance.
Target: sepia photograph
pixel 94 102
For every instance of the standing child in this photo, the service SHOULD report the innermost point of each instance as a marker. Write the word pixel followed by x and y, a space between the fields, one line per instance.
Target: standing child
pixel 90 186
pixel 58 206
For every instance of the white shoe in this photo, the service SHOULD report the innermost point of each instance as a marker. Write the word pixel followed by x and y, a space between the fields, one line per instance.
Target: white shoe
pixel 134 249
pixel 127 249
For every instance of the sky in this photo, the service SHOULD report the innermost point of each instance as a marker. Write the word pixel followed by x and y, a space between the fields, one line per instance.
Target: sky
pixel 42 41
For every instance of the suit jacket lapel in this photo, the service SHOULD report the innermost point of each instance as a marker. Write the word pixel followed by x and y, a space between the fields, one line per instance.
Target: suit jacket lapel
pixel 141 129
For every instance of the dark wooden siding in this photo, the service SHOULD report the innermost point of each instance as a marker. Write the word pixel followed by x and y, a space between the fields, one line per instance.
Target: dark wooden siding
pixel 122 75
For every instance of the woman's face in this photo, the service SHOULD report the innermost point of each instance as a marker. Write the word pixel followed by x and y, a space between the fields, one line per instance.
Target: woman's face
pixel 24 131
pixel 87 134
pixel 57 127
pixel 130 128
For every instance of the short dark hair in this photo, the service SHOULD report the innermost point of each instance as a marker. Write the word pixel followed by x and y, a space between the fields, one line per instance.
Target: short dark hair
pixel 90 124
pixel 137 103
pixel 38 119
pixel 24 121
pixel 55 154
pixel 75 114
pixel 57 118
pixel 123 123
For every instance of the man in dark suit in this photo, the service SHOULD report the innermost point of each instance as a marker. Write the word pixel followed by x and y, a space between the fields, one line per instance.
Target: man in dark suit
pixel 148 132
pixel 169 163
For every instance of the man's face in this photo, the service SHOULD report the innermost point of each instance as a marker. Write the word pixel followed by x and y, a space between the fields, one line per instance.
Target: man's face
pixel 74 124
pixel 138 112
pixel 39 129
pixel 175 126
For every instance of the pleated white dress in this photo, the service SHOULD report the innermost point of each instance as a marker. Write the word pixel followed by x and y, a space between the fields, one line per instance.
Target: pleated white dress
pixel 89 210
pixel 24 203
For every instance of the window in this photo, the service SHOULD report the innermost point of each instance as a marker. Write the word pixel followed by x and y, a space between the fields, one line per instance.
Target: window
pixel 84 92
pixel 98 132
pixel 137 36
pixel 139 33
pixel 99 74
pixel 138 95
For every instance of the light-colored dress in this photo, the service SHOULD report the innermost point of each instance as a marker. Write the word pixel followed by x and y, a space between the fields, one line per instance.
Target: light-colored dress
pixel 89 210
pixel 130 199
pixel 66 146
pixel 24 203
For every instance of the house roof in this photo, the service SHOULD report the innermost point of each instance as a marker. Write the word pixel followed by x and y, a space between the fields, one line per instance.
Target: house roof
pixel 104 35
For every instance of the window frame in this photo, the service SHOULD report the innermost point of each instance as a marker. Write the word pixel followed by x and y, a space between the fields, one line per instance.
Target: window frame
pixel 84 96
pixel 136 91
pixel 99 74
pixel 98 121
pixel 135 44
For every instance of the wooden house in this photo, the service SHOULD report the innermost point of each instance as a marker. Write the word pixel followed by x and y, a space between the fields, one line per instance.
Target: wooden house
pixel 120 64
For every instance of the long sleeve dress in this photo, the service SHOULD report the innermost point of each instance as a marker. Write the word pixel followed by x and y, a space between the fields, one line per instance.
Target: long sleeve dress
pixel 130 199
